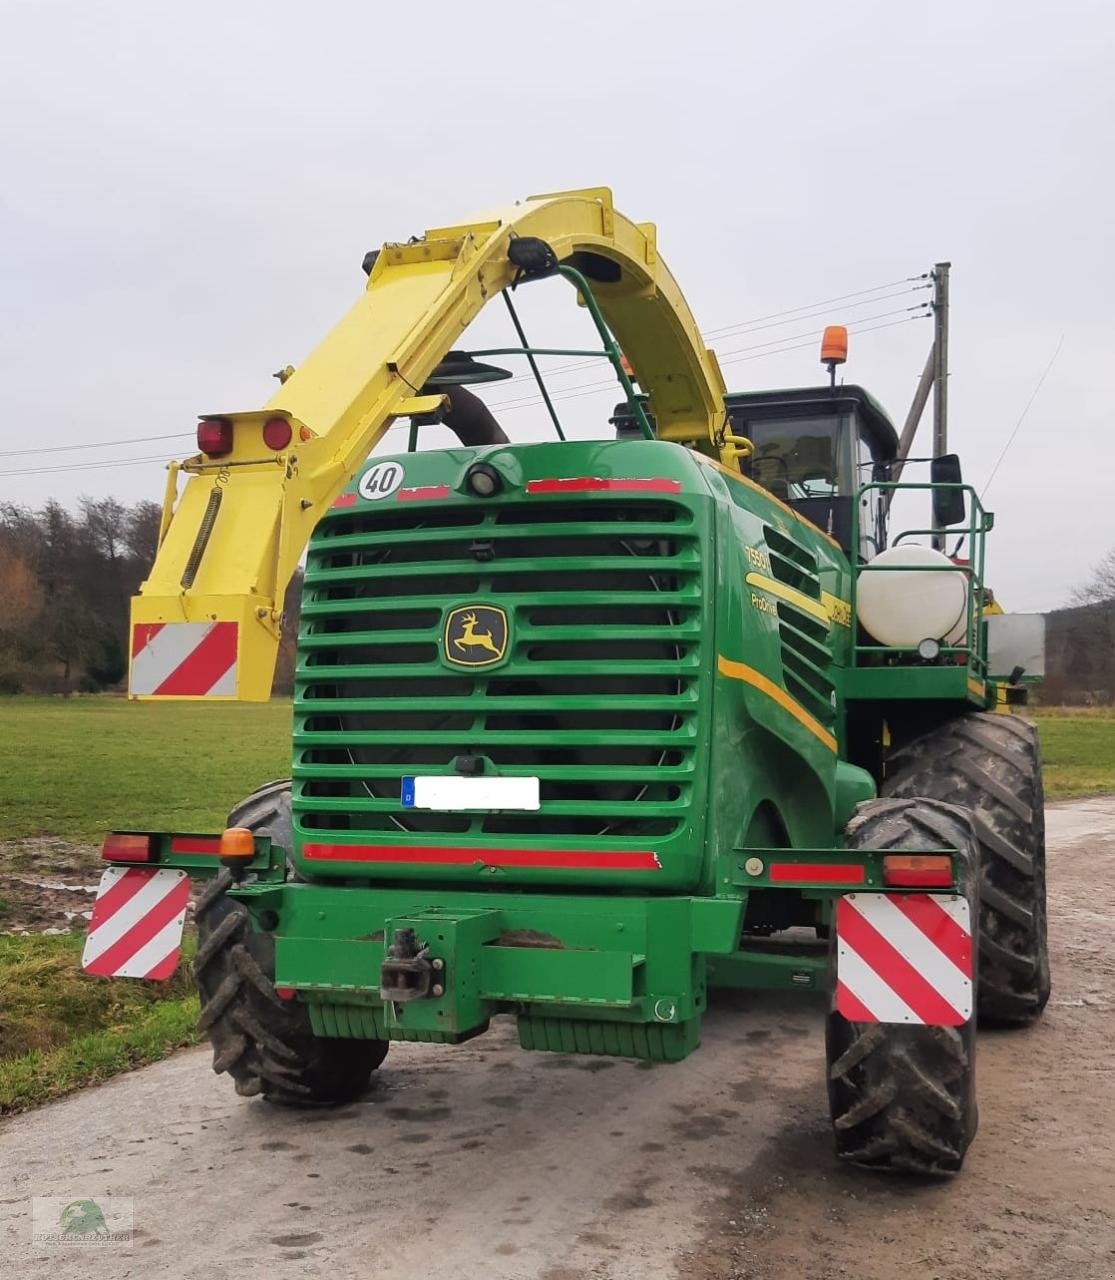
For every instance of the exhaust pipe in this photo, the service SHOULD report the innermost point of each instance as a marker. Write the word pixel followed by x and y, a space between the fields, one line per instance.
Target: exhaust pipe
pixel 470 419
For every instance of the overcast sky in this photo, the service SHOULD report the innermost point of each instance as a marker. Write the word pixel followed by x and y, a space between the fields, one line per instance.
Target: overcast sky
pixel 186 194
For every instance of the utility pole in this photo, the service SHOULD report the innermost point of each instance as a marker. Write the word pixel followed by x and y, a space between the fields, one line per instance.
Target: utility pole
pixel 940 371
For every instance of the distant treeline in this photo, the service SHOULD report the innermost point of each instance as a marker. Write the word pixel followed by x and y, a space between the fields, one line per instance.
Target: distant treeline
pixel 65 582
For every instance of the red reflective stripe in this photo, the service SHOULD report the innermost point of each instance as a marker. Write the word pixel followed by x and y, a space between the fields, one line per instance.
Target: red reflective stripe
pixel 894 969
pixel 141 933
pixel 451 855
pixel 126 888
pixel 817 873
pixel 195 844
pixel 165 967
pixel 594 484
pixel 143 633
pixel 424 493
pixel 199 672
pixel 938 926
pixel 345 500
pixel 850 1007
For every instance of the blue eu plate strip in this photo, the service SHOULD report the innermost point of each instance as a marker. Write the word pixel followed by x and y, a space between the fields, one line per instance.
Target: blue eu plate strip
pixel 408 793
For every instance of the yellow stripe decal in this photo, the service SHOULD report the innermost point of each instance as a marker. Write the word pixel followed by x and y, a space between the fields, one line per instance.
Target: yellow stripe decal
pixel 837 608
pixel 756 679
pixel 789 594
pixel 976 687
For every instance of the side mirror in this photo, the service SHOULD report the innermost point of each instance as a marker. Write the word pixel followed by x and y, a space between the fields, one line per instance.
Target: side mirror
pixel 948 503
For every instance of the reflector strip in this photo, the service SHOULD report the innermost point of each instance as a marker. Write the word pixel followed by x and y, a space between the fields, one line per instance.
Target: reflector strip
pixel 136 925
pixel 184 659
pixel 595 484
pixel 451 855
pixel 817 873
pixel 423 493
pixel 196 844
pixel 904 958
pixel 344 500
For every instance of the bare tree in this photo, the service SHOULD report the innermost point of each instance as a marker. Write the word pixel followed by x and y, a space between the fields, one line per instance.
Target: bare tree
pixel 1101 585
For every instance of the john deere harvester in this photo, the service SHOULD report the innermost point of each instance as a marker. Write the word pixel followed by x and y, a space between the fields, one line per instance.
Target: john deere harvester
pixel 584 728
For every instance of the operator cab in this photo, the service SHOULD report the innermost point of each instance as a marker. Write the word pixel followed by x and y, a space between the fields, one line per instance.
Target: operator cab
pixel 814 448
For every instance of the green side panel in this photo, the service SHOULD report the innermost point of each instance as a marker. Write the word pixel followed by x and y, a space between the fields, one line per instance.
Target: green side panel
pixel 557 976
pixel 755 970
pixel 650 1042
pixel 917 684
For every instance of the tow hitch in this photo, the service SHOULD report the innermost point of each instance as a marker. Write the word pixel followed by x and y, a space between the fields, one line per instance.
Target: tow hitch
pixel 407 970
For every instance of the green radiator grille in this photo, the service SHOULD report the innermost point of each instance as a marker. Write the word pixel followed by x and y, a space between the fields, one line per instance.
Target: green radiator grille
pixel 597 695
pixel 806 655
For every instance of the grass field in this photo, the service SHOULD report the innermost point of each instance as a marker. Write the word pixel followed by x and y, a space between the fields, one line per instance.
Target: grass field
pixel 61 1029
pixel 1078 745
pixel 74 768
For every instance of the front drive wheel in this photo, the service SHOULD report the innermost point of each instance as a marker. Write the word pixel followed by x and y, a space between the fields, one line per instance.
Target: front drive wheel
pixel 266 1044
pixel 902 1098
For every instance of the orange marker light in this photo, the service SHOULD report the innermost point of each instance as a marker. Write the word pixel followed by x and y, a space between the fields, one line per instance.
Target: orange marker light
pixel 917 870
pixel 834 344
pixel 237 842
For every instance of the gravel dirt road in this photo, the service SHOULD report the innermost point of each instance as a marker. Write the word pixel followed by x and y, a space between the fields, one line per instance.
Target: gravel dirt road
pixel 488 1162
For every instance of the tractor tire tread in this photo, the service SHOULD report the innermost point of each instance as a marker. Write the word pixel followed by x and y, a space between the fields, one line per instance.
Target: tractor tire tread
pixel 265 1043
pixel 902 1098
pixel 991 764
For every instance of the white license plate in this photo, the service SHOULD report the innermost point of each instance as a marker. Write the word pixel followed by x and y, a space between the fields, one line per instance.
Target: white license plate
pixel 454 793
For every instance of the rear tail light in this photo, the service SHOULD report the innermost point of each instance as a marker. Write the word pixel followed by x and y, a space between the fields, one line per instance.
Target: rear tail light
pixel 917 870
pixel 214 436
pixel 277 433
pixel 126 848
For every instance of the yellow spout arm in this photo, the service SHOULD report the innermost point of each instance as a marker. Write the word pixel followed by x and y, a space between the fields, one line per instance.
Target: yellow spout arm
pixel 206 622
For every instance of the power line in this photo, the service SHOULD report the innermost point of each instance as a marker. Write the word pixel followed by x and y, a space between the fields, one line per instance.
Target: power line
pixel 725 359
pixel 751 326
pixel 814 333
pixel 598 388
pixel 88 466
pixel 99 444
pixel 757 323
pixel 739 327
pixel 802 345
pixel 1022 415
pixel 809 306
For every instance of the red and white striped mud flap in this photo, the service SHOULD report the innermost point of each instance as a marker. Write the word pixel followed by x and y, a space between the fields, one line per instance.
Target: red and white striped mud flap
pixel 136 929
pixel 905 958
pixel 184 659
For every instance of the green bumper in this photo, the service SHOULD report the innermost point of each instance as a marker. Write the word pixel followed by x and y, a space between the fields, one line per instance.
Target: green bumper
pixel 620 975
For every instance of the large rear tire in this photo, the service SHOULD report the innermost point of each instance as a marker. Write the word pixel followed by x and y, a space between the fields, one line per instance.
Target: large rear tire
pixel 903 1098
pixel 265 1043
pixel 991 764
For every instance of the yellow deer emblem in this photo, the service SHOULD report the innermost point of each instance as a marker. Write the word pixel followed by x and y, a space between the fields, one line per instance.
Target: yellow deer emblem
pixel 470 638
pixel 475 635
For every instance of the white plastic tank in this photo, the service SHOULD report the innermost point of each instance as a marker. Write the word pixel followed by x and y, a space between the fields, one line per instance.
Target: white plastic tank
pixel 910 602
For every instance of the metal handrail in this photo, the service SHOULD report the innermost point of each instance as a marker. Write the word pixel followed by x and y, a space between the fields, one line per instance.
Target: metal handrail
pixel 979 523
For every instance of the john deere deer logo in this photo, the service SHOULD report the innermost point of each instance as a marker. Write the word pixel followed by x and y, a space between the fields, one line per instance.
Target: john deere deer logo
pixel 475 635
